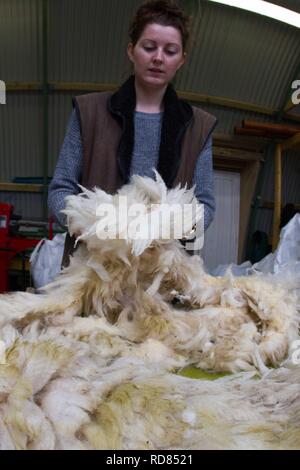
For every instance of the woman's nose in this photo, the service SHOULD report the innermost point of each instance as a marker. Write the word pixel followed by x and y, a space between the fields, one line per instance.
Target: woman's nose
pixel 158 57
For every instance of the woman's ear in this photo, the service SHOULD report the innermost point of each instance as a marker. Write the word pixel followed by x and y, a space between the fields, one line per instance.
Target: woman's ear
pixel 183 59
pixel 130 51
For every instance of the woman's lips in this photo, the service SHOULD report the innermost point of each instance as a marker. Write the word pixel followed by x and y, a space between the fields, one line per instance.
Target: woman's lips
pixel 156 71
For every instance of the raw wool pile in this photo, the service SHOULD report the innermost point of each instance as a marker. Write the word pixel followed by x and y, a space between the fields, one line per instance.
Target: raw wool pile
pixel 88 363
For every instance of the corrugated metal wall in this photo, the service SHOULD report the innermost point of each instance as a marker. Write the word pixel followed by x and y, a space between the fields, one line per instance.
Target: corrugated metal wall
pixel 290 187
pixel 20 136
pixel 235 54
pixel 88 38
pixel 21 117
pixel 290 4
pixel 240 55
pixel 20 44
pixel 29 205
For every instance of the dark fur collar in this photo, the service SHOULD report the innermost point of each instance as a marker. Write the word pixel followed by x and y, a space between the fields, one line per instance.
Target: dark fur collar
pixel 176 118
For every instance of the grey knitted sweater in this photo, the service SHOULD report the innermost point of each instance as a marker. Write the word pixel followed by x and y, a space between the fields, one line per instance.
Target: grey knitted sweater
pixel 147 131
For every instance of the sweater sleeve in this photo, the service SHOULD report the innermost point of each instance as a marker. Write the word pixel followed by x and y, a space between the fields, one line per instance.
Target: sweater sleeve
pixel 203 179
pixel 68 170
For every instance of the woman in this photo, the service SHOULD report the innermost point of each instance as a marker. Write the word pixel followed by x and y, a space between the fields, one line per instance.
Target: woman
pixel 143 125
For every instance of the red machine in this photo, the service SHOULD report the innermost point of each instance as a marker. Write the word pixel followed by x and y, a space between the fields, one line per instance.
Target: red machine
pixel 10 245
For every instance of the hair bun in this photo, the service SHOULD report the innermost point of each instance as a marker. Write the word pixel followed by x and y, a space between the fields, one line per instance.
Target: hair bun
pixel 164 12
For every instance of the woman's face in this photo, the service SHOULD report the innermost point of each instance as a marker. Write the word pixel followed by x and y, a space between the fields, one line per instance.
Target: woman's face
pixel 157 55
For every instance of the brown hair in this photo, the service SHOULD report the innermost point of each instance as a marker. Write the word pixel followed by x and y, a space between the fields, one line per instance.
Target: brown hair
pixel 163 12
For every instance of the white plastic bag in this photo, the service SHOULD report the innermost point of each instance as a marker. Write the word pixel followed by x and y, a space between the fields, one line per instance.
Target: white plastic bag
pixel 45 260
pixel 285 260
pixel 287 252
pixel 235 269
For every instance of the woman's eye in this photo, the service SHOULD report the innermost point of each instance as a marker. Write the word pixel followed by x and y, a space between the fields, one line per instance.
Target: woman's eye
pixel 151 49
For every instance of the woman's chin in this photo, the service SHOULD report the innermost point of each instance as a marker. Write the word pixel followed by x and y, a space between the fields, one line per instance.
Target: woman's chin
pixel 154 81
